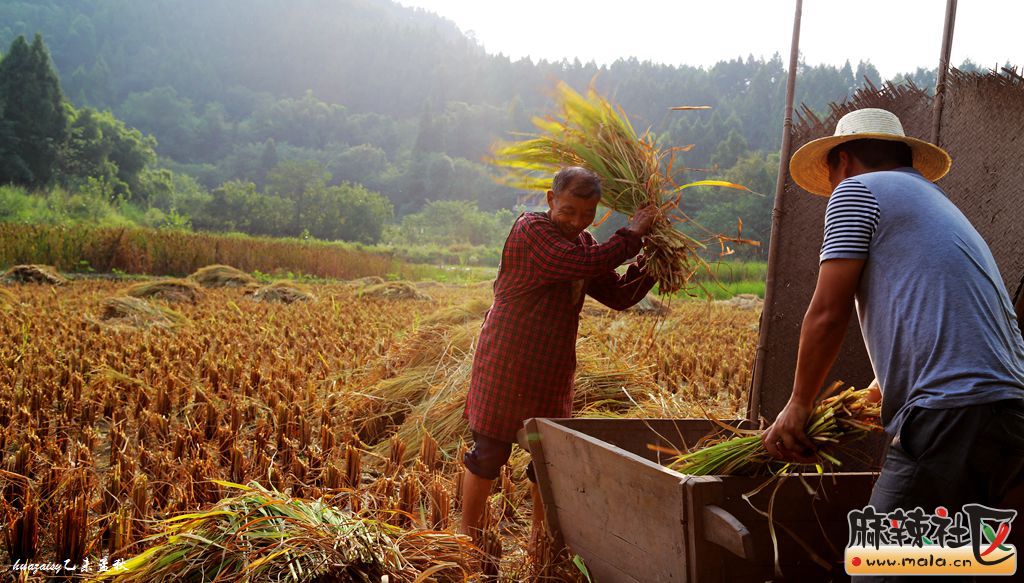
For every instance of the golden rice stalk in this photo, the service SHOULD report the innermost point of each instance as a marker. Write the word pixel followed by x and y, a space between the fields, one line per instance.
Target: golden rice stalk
pixel 439 495
pixel 835 422
pixel 592 132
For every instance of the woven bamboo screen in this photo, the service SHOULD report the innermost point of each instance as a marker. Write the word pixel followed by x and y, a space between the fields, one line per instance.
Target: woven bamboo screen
pixel 982 129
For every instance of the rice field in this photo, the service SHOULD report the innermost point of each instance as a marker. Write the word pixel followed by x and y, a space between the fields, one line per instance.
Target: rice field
pixel 130 422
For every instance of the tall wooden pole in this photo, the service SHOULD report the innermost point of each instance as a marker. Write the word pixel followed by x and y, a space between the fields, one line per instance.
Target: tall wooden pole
pixel 754 402
pixel 940 79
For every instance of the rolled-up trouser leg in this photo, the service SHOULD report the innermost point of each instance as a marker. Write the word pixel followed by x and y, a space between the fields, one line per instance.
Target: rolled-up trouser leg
pixel 488 455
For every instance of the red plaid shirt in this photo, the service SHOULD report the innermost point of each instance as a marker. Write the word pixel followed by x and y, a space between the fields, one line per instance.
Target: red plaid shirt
pixel 526 353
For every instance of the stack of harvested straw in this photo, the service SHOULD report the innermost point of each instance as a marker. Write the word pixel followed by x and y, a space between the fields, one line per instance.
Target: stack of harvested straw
pixel 396 290
pixel 44 274
pixel 835 422
pixel 634 172
pixel 138 313
pixel 284 292
pixel 222 276
pixel 263 535
pixel 171 290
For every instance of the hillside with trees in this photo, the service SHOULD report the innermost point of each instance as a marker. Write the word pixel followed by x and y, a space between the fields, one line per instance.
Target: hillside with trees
pixel 335 118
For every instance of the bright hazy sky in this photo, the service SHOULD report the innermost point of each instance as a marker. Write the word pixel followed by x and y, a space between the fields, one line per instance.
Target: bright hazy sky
pixel 895 35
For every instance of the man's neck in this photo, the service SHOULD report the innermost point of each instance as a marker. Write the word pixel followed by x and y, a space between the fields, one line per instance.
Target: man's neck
pixel 857 168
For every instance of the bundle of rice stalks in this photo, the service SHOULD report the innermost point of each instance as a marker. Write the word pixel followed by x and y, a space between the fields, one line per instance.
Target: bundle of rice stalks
pixel 6 297
pixel 282 292
pixel 139 313
pixel 262 535
pixel 603 379
pixel 437 347
pixel 386 402
pixel 634 172
pixel 413 369
pixel 365 281
pixel 438 414
pixel 836 422
pixel 473 310
pixel 171 290
pixel 45 274
pixel 222 276
pixel 396 290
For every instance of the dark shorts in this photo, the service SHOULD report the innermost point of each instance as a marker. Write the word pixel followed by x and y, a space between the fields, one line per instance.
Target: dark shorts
pixel 488 455
pixel 952 457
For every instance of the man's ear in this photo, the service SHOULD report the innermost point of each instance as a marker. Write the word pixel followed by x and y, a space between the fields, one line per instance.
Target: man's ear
pixel 551 199
pixel 844 159
pixel 841 170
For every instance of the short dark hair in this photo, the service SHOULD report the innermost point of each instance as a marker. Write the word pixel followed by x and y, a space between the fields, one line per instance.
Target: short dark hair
pixel 874 153
pixel 577 175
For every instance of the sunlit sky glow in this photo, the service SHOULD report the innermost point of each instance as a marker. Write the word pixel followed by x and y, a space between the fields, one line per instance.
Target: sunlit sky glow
pixel 895 35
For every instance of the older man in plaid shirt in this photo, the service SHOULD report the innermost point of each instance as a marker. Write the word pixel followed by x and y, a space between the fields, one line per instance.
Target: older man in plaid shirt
pixel 526 354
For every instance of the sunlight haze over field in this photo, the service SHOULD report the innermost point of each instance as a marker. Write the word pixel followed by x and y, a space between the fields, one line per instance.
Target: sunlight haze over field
pixel 894 36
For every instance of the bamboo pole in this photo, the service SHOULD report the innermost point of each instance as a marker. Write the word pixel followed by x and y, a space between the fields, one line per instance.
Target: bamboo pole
pixel 940 80
pixel 757 376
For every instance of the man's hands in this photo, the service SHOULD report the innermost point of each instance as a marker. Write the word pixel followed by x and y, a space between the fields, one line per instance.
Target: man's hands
pixel 821 335
pixel 644 219
pixel 786 439
pixel 875 395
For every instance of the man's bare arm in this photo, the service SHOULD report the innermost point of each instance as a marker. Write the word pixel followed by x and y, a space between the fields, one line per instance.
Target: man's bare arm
pixel 821 336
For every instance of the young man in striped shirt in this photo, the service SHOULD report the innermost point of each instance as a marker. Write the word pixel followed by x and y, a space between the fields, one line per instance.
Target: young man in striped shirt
pixel 935 315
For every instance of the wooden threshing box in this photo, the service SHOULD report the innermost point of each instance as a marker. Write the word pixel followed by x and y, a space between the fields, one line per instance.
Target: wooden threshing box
pixel 633 520
pixel 609 498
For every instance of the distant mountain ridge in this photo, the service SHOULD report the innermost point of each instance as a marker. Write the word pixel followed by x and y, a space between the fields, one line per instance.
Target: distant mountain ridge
pixel 369 55
pixel 392 98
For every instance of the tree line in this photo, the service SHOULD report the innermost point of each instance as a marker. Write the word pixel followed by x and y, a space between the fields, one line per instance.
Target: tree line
pixel 300 115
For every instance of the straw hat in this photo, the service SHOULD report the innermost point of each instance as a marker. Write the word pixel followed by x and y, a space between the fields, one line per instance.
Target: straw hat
pixel 809 167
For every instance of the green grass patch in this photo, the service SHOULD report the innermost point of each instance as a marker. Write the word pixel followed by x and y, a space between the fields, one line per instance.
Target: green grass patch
pixel 448 273
pixel 735 271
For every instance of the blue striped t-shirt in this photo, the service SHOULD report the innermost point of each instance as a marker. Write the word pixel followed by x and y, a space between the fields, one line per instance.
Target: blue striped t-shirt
pixel 850 221
pixel 937 321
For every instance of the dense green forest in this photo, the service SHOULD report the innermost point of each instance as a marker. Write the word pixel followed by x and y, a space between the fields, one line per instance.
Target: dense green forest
pixel 336 119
